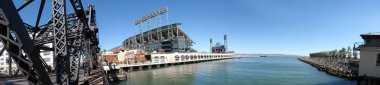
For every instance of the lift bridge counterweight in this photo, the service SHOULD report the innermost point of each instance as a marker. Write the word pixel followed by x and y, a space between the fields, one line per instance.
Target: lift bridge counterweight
pixel 74 36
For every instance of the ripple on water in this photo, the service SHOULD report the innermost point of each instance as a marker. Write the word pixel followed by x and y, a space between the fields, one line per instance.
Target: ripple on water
pixel 244 71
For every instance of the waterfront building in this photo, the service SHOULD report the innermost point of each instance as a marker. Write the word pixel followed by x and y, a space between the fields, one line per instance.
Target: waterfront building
pixel 109 57
pixel 128 56
pixel 369 63
pixel 219 48
pixel 165 44
pixel 47 56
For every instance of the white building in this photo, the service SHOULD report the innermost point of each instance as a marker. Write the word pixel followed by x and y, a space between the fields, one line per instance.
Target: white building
pixel 4 65
pixel 369 64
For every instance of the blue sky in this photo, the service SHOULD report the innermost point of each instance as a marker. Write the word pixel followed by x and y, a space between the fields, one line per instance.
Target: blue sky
pixel 253 26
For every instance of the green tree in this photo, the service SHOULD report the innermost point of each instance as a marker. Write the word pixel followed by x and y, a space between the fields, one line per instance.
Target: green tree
pixel 334 54
pixel 342 53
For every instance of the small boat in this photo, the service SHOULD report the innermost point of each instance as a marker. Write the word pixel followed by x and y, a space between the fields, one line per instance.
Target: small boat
pixel 263 56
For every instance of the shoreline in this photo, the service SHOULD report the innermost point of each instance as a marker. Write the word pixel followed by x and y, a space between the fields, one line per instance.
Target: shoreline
pixel 330 68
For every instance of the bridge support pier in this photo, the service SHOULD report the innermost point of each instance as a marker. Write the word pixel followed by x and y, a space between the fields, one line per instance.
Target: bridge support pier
pixel 130 68
pixel 121 71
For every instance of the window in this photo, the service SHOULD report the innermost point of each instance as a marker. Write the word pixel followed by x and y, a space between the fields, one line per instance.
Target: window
pixel 378 60
pixel 162 58
pixel 156 59
pixel 182 58
pixel 176 58
pixel 7 61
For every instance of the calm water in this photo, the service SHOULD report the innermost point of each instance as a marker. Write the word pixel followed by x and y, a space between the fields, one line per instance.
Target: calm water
pixel 244 71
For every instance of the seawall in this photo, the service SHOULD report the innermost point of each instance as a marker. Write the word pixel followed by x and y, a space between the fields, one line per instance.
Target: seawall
pixel 330 68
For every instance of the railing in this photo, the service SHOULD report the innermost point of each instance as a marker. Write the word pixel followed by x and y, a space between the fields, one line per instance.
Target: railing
pixel 105 77
pixel 157 61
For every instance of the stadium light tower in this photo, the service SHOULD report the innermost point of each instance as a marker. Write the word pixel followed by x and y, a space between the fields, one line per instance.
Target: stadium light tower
pixel 149 16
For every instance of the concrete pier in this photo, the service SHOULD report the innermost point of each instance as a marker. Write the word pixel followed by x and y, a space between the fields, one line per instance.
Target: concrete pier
pixel 164 60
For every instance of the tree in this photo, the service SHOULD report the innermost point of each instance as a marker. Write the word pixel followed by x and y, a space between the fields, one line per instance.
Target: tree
pixel 349 52
pixel 333 54
pixel 342 53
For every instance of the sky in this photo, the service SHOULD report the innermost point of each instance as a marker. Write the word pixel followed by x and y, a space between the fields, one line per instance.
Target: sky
pixel 296 27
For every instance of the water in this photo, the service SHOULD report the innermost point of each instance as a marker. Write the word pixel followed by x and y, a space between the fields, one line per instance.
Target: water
pixel 244 71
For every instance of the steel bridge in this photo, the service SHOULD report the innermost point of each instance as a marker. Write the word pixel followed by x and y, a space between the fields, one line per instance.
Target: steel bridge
pixel 74 37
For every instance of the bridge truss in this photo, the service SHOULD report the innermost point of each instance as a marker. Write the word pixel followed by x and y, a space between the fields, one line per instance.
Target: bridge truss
pixel 74 37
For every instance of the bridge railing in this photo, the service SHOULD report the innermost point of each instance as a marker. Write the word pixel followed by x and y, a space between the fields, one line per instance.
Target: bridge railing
pixel 105 78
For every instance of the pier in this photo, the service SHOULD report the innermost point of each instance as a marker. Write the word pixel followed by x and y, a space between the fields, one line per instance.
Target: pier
pixel 164 60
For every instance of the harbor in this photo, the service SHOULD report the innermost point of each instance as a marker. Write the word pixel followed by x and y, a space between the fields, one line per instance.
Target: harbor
pixel 162 46
pixel 273 70
pixel 213 42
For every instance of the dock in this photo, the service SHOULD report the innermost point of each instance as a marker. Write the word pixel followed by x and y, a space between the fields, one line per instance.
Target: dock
pixel 117 72
pixel 160 60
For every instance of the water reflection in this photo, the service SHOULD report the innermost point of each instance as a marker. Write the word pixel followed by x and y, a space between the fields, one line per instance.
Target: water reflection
pixel 245 71
pixel 179 74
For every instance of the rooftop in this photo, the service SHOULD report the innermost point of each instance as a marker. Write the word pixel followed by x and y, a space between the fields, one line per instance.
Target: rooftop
pixel 371 39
